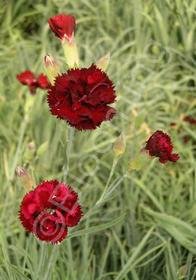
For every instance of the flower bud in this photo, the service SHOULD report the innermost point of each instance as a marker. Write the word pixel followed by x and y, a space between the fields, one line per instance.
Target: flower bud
pixel 119 146
pixel 139 161
pixel 103 62
pixel 70 51
pixel 25 178
pixel 29 102
pixel 182 271
pixel 63 27
pixel 42 148
pixel 30 151
pixel 51 68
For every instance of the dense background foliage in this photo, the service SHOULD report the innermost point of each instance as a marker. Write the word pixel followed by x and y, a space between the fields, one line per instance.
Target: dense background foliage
pixel 146 228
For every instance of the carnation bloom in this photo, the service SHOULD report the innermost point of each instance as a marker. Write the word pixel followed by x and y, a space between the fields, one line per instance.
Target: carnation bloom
pixel 62 26
pixel 29 79
pixel 81 97
pixel 49 210
pixel 159 145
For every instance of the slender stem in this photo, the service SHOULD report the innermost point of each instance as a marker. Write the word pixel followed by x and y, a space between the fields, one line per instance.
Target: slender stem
pixel 108 181
pixel 18 147
pixel 66 170
pixel 70 257
pixel 15 162
pixel 50 261
pixel 69 142
pixel 109 191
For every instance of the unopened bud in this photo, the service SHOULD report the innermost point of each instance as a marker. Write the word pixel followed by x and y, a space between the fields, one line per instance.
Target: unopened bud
pixel 30 151
pixel 25 178
pixel 182 271
pixel 51 68
pixel 103 62
pixel 42 148
pixel 29 102
pixel 31 146
pixel 119 146
pixel 140 160
pixel 70 51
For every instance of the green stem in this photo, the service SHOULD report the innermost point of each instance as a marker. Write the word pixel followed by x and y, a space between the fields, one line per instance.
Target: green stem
pixel 18 147
pixel 70 257
pixel 15 163
pixel 69 142
pixel 66 170
pixel 51 260
pixel 108 181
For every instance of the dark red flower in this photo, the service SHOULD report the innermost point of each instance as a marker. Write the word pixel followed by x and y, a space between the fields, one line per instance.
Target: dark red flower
pixel 81 97
pixel 159 145
pixel 190 120
pixel 48 210
pixel 29 79
pixel 186 139
pixel 62 26
pixel 187 119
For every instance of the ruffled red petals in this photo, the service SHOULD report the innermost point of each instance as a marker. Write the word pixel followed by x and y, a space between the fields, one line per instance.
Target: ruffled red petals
pixel 159 145
pixel 62 26
pixel 49 210
pixel 29 79
pixel 81 97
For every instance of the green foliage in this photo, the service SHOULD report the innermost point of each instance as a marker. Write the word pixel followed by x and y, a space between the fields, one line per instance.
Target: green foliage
pixel 144 228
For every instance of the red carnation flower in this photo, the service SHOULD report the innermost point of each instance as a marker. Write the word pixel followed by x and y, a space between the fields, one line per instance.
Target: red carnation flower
pixel 48 210
pixel 81 97
pixel 29 79
pixel 62 26
pixel 159 145
pixel 186 139
pixel 190 120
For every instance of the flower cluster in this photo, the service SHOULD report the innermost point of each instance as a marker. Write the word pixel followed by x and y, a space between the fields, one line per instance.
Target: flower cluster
pixel 81 97
pixel 49 210
pixel 159 145
pixel 28 78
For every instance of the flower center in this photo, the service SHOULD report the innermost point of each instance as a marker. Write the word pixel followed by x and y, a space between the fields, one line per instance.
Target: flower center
pixel 50 211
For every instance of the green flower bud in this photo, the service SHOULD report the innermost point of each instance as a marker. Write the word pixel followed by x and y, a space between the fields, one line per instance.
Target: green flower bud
pixel 42 148
pixel 25 178
pixel 140 160
pixel 30 151
pixel 119 146
pixel 103 62
pixel 51 68
pixel 29 103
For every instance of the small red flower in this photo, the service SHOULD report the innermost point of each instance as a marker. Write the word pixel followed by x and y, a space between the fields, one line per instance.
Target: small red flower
pixel 29 79
pixel 48 210
pixel 159 145
pixel 190 120
pixel 62 26
pixel 81 97
pixel 186 139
